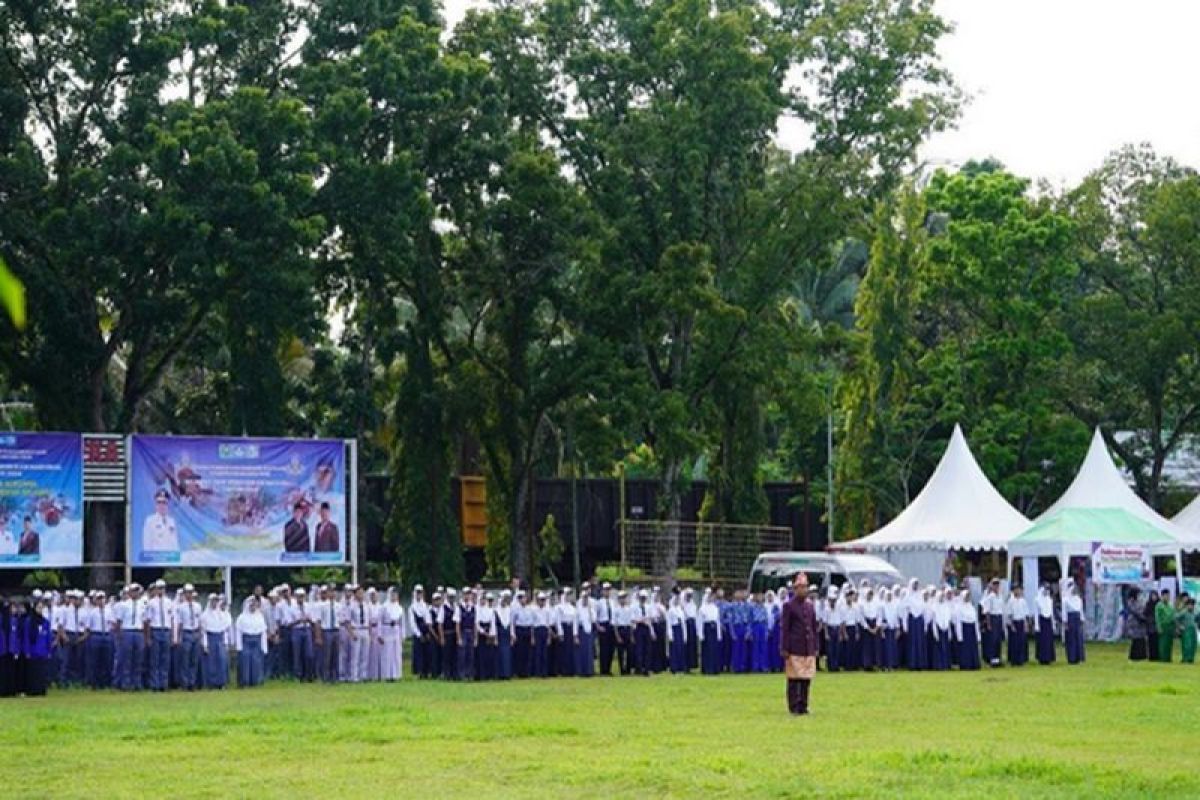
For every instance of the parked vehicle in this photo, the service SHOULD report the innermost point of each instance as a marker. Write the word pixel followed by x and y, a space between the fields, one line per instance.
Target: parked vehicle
pixel 772 570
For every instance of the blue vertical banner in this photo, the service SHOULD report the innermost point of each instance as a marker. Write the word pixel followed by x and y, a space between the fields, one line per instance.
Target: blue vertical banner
pixel 41 500
pixel 208 501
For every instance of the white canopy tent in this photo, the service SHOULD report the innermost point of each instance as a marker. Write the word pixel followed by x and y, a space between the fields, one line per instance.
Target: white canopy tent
pixel 958 509
pixel 1099 484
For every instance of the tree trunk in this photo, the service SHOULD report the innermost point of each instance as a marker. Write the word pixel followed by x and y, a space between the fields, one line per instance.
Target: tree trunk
pixel 670 501
pixel 105 526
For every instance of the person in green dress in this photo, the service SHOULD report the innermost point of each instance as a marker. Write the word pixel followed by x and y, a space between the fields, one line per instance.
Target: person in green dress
pixel 1164 621
pixel 1186 620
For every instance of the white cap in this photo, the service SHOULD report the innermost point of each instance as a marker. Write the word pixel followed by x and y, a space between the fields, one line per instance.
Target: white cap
pixel 187 587
pixel 160 584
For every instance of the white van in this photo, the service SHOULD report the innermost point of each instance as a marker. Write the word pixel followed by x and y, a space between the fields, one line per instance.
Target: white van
pixel 772 570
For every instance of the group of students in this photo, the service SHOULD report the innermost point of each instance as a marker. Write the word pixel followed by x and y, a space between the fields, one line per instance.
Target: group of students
pixel 155 640
pixel 931 628
pixel 1153 625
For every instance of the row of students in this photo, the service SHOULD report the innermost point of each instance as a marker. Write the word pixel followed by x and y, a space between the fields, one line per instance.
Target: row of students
pixel 148 640
pixel 931 628
pixel 26 643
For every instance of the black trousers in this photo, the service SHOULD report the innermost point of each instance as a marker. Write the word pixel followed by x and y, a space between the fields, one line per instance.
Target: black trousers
pixel 608 642
pixel 625 651
pixel 797 696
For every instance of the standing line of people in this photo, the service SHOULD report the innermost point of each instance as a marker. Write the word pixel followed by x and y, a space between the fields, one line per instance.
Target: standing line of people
pixel 154 640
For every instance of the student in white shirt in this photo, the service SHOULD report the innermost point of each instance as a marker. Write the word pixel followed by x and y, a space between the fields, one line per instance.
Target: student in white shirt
pixel 252 646
pixel 214 623
pixel 1017 614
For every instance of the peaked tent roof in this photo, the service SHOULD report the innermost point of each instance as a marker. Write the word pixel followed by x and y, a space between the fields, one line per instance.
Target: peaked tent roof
pixel 1189 517
pixel 958 509
pixel 1099 484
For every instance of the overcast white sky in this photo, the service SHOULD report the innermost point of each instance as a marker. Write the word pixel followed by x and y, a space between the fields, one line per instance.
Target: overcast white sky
pixel 1058 84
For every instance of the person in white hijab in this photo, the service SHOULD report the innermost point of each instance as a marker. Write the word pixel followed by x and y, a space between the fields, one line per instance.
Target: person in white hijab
pixel 252 645
pixel 214 627
pixel 1072 617
pixel 391 634
pixel 708 629
pixel 1045 627
pixel 966 631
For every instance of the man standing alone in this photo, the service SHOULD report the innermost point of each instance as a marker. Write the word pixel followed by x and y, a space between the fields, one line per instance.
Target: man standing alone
pixel 798 637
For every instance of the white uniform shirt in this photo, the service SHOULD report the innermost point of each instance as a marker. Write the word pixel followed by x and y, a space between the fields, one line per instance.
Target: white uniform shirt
pixel 709 613
pixel 565 619
pixel 159 533
pixel 252 623
pixel 1072 603
pixel 131 614
pixel 585 616
pixel 159 613
pixel 187 615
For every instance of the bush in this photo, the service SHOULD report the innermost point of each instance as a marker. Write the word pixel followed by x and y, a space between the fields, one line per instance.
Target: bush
pixel 42 579
pixel 612 573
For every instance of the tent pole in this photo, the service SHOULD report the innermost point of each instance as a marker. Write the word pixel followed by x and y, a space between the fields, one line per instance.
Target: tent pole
pixel 1178 571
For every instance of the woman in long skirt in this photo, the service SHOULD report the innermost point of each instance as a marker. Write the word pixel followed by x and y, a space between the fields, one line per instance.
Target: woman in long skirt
pixel 967 632
pixel 677 638
pixel 690 614
pixel 709 627
pixel 913 609
pixel 504 637
pixel 1072 612
pixel 851 621
pixel 8 638
pixel 486 639
pixel 37 644
pixel 1045 627
pixel 1151 629
pixel 391 630
pixel 585 625
pixel 374 636
pixel 1135 624
pixel 774 659
pixel 1018 628
pixel 252 645
pixel 214 627
pixel 563 634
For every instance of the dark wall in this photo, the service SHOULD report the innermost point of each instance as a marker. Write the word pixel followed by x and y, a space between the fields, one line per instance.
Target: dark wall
pixel 597 501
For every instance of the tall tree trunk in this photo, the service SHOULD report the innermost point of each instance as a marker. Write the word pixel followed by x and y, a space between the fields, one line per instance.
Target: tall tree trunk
pixel 670 502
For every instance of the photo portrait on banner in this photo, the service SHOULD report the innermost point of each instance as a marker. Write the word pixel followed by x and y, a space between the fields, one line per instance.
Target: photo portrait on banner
pixel 209 501
pixel 41 500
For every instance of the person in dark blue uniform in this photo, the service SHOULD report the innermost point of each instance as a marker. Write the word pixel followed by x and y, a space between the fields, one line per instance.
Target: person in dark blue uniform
pixel 725 608
pixel 709 631
pixel 643 634
pixel 7 685
pixel 449 625
pixel 504 634
pixel 541 638
pixel 37 642
pixel 759 632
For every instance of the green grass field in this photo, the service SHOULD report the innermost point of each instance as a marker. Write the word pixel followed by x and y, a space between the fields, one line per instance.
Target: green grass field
pixel 1106 729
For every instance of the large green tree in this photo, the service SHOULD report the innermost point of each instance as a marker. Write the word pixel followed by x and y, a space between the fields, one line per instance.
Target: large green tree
pixel 1136 320
pixel 664 113
pixel 961 320
pixel 137 218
